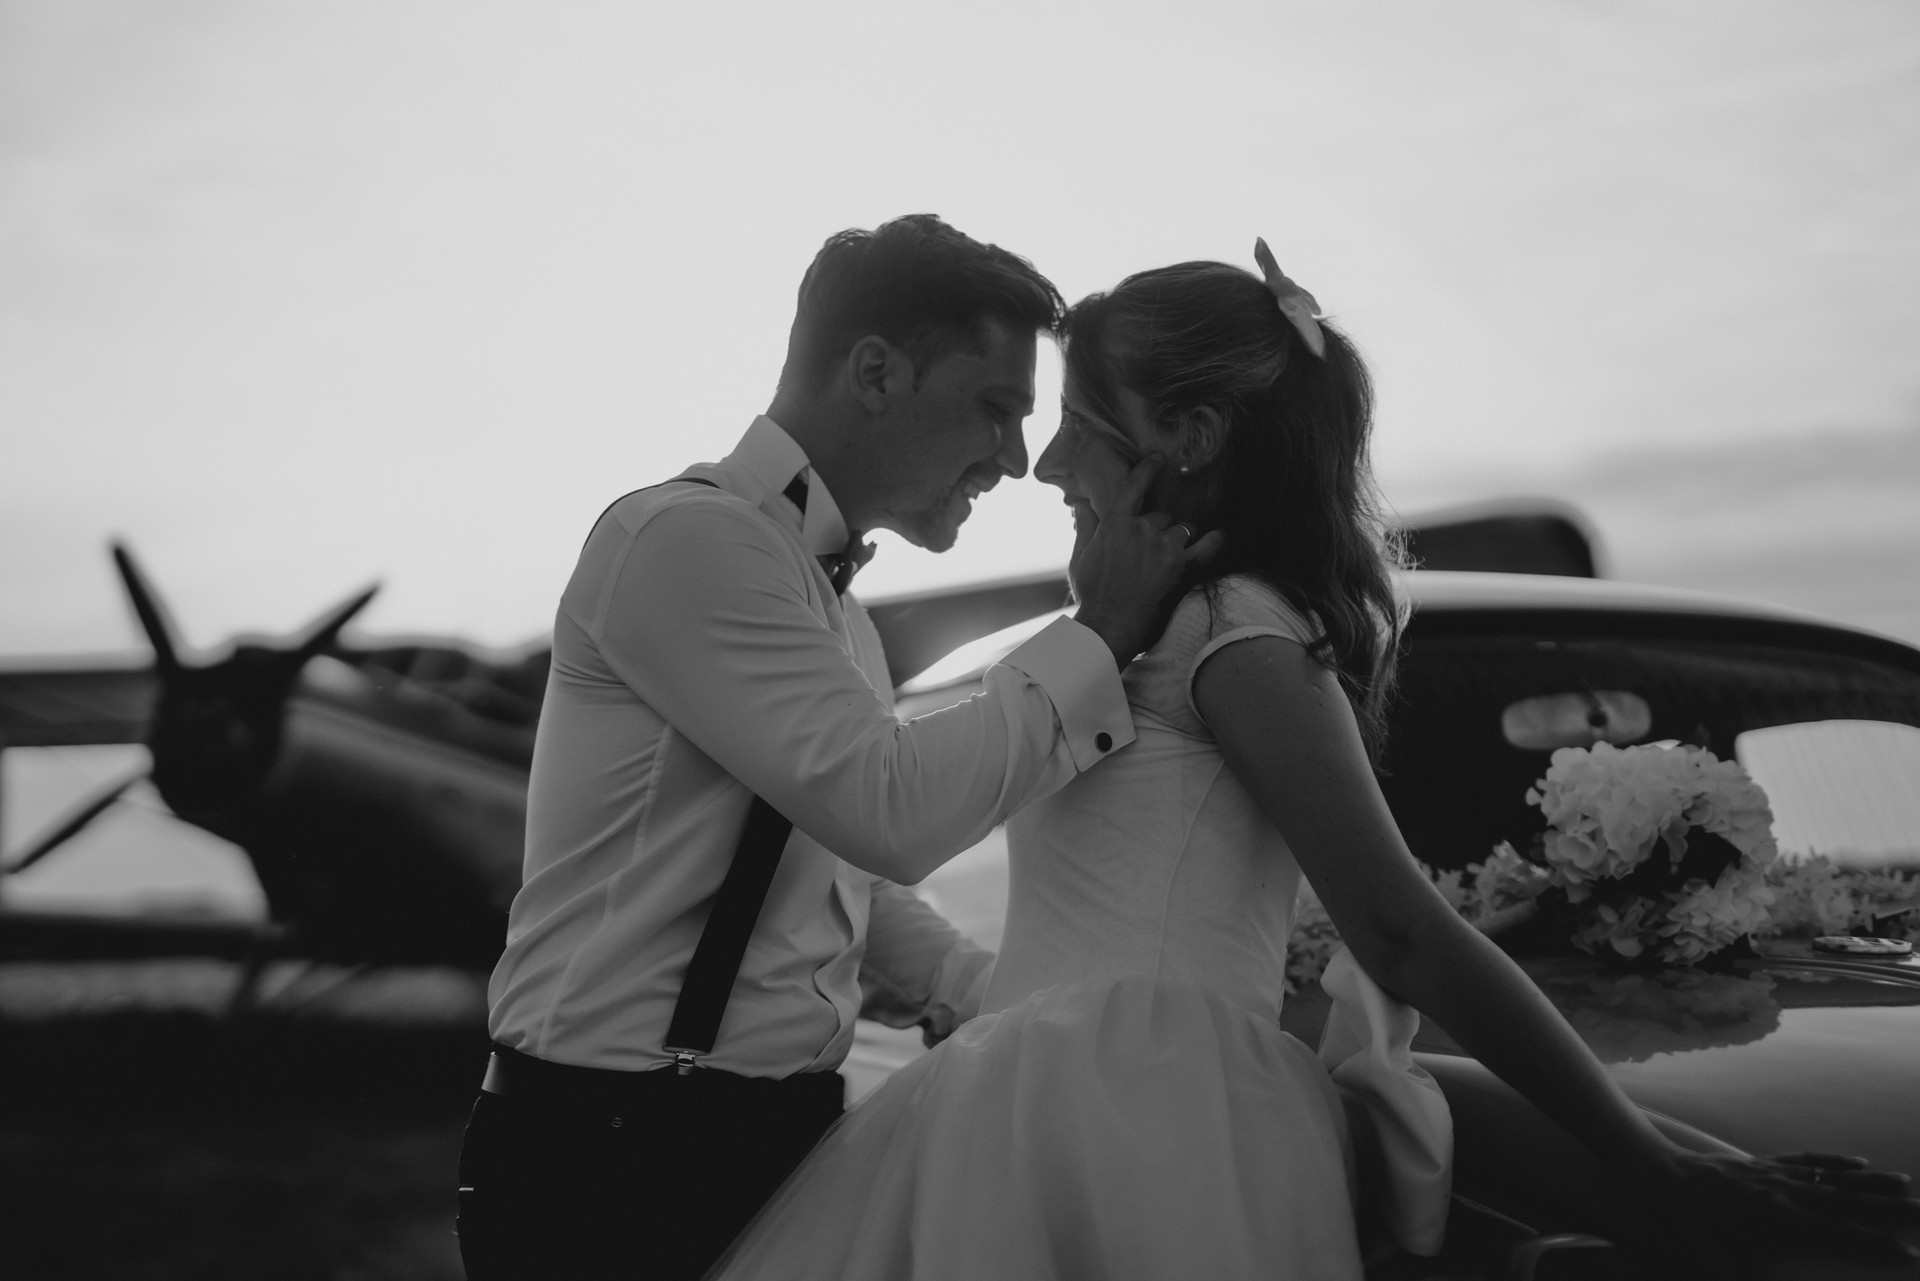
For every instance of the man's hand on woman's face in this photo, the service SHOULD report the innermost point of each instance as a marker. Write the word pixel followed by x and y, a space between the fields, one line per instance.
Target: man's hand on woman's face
pixel 1127 564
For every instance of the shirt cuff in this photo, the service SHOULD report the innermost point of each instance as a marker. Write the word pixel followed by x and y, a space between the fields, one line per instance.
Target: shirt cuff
pixel 1075 668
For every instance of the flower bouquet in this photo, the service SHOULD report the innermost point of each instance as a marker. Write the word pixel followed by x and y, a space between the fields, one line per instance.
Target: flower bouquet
pixel 1651 853
pixel 1656 852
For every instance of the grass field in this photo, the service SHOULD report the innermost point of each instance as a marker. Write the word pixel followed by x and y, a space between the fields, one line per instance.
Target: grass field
pixel 145 1134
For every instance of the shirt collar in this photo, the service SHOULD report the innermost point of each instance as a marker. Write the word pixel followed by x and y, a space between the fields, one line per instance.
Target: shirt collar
pixel 774 458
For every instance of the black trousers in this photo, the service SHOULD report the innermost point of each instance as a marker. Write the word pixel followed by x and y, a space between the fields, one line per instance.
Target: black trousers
pixel 644 1176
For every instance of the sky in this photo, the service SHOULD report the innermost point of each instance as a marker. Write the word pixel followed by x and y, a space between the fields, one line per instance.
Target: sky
pixel 297 297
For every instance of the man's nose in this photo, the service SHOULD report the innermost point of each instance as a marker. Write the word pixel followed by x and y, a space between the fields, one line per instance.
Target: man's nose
pixel 1012 454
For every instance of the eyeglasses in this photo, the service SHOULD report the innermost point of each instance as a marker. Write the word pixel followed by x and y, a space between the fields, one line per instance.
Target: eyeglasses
pixel 1083 425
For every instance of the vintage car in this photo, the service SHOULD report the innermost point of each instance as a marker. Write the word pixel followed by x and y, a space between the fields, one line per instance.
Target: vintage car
pixel 1782 1048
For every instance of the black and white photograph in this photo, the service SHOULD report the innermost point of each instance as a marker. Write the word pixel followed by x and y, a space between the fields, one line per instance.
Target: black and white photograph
pixel 995 642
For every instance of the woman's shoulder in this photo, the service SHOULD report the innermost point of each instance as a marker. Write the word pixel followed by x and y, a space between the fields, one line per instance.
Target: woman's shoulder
pixel 1231 608
pixel 1240 603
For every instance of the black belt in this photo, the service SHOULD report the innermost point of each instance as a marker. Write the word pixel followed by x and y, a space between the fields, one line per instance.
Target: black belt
pixel 511 1074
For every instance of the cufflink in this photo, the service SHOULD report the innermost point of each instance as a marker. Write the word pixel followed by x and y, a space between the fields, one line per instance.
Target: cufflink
pixel 1103 741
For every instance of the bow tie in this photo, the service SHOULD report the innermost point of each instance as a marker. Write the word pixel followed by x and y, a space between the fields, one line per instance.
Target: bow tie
pixel 842 565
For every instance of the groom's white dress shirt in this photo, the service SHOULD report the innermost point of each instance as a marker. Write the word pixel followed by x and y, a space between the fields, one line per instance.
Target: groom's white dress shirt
pixel 699 656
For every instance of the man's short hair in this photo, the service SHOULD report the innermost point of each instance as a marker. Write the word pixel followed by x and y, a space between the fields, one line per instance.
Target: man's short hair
pixel 917 283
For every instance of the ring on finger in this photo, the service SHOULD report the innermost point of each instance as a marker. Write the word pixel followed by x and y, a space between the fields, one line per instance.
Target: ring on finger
pixel 1184 528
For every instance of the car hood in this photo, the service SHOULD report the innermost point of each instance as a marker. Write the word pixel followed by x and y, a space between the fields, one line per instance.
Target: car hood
pixel 1786 1052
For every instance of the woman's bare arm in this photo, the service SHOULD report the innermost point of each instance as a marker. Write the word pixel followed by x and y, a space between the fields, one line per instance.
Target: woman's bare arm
pixel 1290 736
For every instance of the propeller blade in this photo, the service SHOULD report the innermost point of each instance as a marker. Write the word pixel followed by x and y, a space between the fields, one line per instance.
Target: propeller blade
pixel 326 628
pixel 146 603
pixel 73 825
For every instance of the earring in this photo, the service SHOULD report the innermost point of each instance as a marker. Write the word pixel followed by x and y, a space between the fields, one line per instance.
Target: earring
pixel 1186 469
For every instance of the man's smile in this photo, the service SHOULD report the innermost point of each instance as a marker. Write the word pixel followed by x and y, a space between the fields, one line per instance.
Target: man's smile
pixel 974 483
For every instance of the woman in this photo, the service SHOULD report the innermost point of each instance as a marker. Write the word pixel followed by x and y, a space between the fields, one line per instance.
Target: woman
pixel 1126 1105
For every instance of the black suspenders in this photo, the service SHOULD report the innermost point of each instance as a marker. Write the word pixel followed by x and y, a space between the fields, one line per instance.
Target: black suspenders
pixel 723 943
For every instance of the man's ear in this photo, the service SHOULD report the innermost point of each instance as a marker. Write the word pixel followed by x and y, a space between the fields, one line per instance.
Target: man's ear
pixel 874 369
pixel 1203 434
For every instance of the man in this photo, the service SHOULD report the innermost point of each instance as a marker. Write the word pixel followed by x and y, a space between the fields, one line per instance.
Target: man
pixel 703 657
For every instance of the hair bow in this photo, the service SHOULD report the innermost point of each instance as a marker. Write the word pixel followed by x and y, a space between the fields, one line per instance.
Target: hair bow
pixel 1296 304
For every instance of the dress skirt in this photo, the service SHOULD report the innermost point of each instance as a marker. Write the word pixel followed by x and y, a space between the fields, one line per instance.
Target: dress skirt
pixel 1137 1129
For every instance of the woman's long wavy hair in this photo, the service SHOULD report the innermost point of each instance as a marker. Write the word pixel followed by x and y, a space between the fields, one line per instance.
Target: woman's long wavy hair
pixel 1291 486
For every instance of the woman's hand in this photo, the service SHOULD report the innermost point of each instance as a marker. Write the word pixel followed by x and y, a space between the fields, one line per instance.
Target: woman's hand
pixel 1127 565
pixel 1743 1213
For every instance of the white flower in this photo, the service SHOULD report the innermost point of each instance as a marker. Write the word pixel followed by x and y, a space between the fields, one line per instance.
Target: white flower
pixel 1505 879
pixel 1818 897
pixel 1700 919
pixel 1611 809
pixel 1621 928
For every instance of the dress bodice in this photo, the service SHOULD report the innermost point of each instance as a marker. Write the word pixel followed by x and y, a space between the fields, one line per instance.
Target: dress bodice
pixel 1159 862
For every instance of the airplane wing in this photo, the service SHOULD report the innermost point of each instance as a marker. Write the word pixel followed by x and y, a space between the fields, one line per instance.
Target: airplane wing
pixel 105 702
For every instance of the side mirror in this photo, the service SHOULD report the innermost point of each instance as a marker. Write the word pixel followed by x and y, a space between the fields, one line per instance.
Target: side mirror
pixel 1563 1256
pixel 1483 1242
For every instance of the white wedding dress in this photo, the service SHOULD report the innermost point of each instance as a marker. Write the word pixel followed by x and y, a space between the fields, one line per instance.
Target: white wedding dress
pixel 1126 1105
